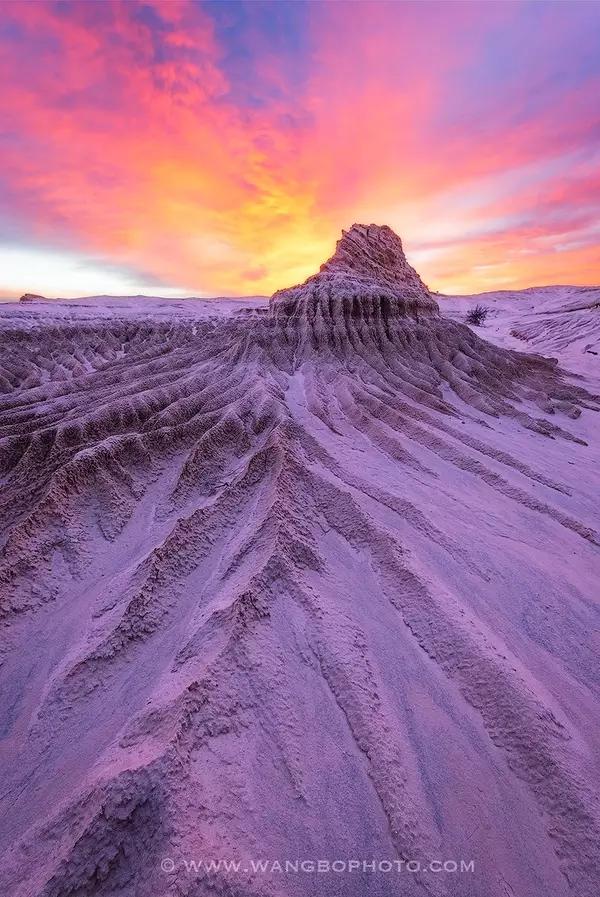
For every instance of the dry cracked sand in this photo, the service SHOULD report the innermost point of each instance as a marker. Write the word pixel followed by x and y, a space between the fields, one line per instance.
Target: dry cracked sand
pixel 313 578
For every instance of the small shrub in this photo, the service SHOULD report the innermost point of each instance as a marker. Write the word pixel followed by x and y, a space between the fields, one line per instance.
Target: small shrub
pixel 477 315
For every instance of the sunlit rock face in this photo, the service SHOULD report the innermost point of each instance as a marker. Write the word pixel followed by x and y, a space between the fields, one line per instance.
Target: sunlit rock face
pixel 310 578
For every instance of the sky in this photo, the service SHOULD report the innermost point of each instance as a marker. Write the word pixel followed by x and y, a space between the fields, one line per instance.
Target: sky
pixel 202 148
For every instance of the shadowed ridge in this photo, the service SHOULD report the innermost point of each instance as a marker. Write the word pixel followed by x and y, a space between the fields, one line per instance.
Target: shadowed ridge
pixel 32 297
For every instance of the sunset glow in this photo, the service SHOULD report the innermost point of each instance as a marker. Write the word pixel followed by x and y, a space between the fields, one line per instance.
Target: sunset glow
pixel 219 148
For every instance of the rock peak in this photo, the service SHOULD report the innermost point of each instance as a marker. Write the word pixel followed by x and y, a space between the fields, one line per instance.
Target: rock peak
pixel 373 251
pixel 367 277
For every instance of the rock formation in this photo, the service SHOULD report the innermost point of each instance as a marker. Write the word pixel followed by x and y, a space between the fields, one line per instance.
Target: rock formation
pixel 367 278
pixel 32 297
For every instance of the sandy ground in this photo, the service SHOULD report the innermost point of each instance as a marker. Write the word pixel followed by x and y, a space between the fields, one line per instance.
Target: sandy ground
pixel 330 597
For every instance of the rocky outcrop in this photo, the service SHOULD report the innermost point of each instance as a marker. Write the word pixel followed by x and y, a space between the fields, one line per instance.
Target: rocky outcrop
pixel 367 279
pixel 32 297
